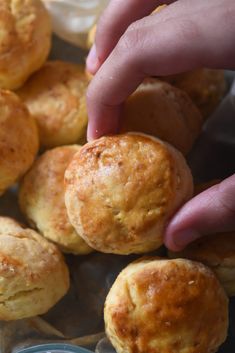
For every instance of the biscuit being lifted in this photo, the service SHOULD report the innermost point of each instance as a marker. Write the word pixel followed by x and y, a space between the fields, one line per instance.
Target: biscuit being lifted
pixel 121 190
pixel 164 111
pixel 55 96
pixel 216 251
pixel 25 40
pixel 41 199
pixel 168 306
pixel 18 139
pixel 33 274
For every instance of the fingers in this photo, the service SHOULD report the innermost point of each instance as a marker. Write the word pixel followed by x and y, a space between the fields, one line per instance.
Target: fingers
pixel 212 211
pixel 159 45
pixel 115 20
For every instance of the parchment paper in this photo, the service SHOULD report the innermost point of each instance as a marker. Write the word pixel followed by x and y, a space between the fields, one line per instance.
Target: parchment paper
pixel 78 317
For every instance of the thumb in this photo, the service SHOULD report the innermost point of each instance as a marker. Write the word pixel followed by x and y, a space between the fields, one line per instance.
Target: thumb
pixel 212 211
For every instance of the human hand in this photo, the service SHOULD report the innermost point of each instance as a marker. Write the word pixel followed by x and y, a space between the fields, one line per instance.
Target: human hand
pixel 182 36
pixel 210 212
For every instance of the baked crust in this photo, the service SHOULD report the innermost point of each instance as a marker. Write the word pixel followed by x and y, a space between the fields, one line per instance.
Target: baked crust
pixel 18 139
pixel 55 96
pixel 33 274
pixel 158 305
pixel 122 189
pixel 41 199
pixel 25 40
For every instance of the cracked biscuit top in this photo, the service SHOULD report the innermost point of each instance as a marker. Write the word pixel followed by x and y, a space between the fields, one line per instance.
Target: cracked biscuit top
pixel 121 190
pixel 33 274
pixel 25 40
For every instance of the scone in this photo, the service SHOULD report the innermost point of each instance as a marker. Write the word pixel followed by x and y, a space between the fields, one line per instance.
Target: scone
pixel 161 110
pixel 206 88
pixel 166 306
pixel 18 139
pixel 33 274
pixel 55 96
pixel 121 190
pixel 218 252
pixel 41 199
pixel 25 40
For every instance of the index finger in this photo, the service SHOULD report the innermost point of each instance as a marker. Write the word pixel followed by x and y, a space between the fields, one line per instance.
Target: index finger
pixel 113 23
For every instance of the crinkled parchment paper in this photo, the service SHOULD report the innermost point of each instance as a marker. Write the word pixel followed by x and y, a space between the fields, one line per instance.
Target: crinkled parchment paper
pixel 78 317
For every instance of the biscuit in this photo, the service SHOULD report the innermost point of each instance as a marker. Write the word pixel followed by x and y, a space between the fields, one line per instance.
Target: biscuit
pixel 159 109
pixel 167 306
pixel 206 88
pixel 216 251
pixel 55 96
pixel 41 199
pixel 18 139
pixel 25 40
pixel 33 274
pixel 121 190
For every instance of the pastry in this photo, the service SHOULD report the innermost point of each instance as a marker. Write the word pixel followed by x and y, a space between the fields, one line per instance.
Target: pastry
pixel 18 139
pixel 216 251
pixel 33 274
pixel 55 96
pixel 159 109
pixel 41 199
pixel 168 306
pixel 25 40
pixel 121 190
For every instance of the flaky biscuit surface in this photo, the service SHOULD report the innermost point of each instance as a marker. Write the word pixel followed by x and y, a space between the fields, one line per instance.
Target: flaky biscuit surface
pixel 41 199
pixel 33 274
pixel 25 40
pixel 18 139
pixel 166 306
pixel 55 96
pixel 121 190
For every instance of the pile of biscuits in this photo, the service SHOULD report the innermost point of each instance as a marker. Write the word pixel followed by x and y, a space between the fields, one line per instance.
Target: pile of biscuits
pixel 113 195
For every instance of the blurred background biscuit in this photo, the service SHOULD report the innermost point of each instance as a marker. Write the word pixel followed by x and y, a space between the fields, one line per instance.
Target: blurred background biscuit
pixel 158 305
pixel 121 190
pixel 18 139
pixel 41 199
pixel 206 88
pixel 216 251
pixel 25 40
pixel 159 109
pixel 33 274
pixel 55 96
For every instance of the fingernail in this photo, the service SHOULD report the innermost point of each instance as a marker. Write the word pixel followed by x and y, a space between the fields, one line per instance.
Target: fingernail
pixel 91 134
pixel 92 61
pixel 182 238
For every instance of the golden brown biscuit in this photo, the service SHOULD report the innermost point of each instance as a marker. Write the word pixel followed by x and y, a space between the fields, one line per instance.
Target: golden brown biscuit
pixel 167 306
pixel 121 190
pixel 159 109
pixel 216 251
pixel 33 274
pixel 55 96
pixel 206 88
pixel 18 139
pixel 25 40
pixel 41 199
